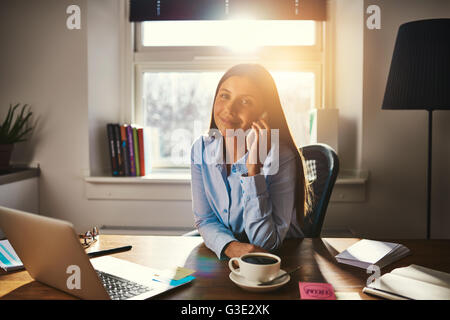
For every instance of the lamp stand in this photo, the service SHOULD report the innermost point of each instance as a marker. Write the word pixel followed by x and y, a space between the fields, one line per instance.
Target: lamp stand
pixel 430 142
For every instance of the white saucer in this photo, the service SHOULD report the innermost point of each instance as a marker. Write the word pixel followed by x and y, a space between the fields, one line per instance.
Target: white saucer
pixel 253 286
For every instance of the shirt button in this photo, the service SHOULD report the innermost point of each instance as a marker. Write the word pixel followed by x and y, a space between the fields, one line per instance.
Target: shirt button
pixel 225 210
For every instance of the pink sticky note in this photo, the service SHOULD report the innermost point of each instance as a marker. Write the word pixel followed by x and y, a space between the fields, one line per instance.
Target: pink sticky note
pixel 316 291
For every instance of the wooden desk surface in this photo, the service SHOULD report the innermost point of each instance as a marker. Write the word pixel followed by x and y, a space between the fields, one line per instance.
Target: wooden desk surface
pixel 212 276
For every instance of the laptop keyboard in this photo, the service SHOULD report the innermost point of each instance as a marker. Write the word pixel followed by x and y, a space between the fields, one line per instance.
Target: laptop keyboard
pixel 120 288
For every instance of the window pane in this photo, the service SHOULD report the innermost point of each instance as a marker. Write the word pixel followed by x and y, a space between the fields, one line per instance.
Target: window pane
pixel 178 105
pixel 232 33
pixel 297 93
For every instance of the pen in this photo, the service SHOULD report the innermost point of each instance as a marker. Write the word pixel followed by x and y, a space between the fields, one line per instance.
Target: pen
pixel 108 251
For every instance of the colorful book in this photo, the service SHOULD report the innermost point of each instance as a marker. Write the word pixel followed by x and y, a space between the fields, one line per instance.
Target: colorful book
pixel 131 151
pixel 117 141
pixel 140 133
pixel 112 150
pixel 124 149
pixel 136 151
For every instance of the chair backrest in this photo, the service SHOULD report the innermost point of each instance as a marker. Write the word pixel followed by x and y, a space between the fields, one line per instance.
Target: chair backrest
pixel 322 167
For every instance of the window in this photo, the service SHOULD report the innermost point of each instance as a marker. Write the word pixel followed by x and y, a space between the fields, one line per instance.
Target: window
pixel 178 64
pixel 223 33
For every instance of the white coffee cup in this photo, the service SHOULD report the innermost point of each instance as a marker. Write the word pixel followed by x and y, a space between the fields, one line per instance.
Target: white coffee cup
pixel 256 266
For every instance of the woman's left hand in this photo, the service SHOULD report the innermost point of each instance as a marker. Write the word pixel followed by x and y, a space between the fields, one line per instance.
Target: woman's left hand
pixel 259 137
pixel 237 249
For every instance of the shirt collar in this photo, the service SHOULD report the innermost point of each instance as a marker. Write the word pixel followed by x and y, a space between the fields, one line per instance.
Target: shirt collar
pixel 213 150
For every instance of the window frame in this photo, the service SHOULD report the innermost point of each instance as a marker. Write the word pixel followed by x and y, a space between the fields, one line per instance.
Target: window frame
pixel 172 58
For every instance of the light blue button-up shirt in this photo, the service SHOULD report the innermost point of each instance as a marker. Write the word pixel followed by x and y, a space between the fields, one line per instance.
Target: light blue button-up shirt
pixel 258 209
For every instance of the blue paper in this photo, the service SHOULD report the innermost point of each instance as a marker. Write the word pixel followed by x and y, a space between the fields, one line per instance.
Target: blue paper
pixel 181 281
pixel 175 283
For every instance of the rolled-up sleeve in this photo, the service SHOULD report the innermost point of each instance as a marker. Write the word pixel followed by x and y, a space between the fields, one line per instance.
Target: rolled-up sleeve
pixel 215 234
pixel 269 202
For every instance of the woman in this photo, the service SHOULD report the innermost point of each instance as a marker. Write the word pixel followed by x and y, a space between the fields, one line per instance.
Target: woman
pixel 259 196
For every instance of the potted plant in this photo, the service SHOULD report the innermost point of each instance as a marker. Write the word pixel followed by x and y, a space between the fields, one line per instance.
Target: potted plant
pixel 13 130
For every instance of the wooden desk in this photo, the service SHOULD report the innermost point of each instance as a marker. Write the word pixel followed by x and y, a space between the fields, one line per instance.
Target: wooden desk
pixel 212 276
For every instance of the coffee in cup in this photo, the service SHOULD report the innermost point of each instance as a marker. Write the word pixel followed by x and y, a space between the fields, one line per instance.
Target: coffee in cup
pixel 256 266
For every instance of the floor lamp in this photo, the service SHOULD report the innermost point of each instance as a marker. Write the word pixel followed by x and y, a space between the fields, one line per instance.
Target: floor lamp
pixel 419 78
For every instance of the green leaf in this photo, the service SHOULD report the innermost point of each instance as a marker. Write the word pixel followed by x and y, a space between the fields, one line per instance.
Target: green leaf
pixel 5 127
pixel 10 117
pixel 7 116
pixel 19 137
pixel 23 110
pixel 20 122
pixel 14 129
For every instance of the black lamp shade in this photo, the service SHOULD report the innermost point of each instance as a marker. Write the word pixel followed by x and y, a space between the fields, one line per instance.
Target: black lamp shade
pixel 419 77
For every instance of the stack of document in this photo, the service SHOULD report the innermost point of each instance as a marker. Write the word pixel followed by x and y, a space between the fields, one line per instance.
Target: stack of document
pixel 412 282
pixel 370 252
pixel 9 260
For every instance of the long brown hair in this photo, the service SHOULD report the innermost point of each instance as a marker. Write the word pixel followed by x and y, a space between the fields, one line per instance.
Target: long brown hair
pixel 272 105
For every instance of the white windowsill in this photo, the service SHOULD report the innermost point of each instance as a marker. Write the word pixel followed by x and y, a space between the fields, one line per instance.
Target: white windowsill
pixel 174 184
pixel 179 176
pixel 184 176
pixel 352 177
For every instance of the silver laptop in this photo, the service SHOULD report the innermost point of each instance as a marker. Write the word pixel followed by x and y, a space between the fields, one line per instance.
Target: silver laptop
pixel 51 252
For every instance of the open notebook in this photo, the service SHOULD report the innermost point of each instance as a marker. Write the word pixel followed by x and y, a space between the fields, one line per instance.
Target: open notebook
pixel 371 252
pixel 412 282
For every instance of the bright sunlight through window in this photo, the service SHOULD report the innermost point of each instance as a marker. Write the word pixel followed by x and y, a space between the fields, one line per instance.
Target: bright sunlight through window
pixel 230 33
pixel 179 64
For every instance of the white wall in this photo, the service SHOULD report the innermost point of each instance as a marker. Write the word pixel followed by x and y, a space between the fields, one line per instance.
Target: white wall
pixel 395 142
pixel 392 145
pixel 72 80
pixel 348 29
pixel 20 195
pixel 44 64
pixel 103 78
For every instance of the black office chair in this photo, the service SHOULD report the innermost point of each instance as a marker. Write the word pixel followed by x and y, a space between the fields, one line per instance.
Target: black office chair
pixel 322 167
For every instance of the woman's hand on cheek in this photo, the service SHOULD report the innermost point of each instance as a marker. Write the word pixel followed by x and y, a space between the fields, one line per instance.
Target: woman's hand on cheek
pixel 259 137
pixel 237 249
